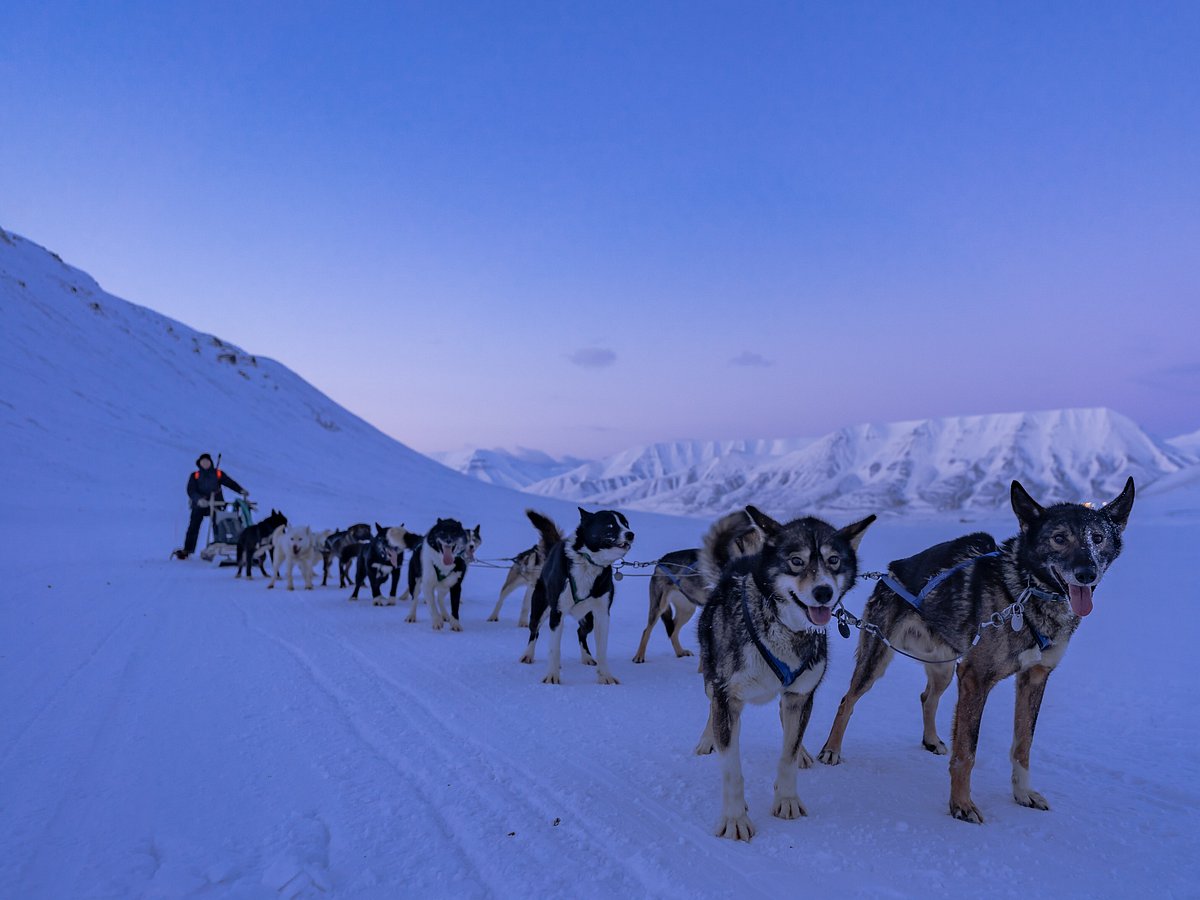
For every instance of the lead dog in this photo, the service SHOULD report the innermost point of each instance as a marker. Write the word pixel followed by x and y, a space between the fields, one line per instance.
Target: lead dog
pixel 762 635
pixel 677 580
pixel 577 578
pixel 1054 564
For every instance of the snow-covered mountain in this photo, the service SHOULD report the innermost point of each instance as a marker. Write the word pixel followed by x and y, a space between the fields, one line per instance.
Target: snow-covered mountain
pixel 515 469
pixel 961 464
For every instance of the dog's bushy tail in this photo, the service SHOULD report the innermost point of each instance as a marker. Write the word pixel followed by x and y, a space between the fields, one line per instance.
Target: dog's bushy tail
pixel 548 533
pixel 730 537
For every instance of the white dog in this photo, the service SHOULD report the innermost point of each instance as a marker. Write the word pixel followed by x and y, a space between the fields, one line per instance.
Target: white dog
pixel 293 545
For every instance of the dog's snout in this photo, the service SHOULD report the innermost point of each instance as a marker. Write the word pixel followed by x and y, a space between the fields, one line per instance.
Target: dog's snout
pixel 822 593
pixel 629 536
pixel 1085 576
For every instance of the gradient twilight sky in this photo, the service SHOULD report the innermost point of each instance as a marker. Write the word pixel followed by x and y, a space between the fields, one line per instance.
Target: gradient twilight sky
pixel 581 226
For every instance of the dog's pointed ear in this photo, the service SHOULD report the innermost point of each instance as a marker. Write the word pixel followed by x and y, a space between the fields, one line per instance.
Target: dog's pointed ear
pixel 764 523
pixel 584 515
pixel 1027 509
pixel 853 533
pixel 477 531
pixel 1118 510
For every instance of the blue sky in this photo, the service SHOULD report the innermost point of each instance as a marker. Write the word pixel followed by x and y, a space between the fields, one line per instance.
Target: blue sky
pixel 583 226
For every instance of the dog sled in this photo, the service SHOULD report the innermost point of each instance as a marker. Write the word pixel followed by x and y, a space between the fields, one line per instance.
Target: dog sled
pixel 227 519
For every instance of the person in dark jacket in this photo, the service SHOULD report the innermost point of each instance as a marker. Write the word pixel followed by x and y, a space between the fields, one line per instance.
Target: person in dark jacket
pixel 203 486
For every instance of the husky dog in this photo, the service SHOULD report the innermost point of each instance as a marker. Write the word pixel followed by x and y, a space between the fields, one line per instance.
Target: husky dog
pixel 577 578
pixel 526 566
pixel 254 542
pixel 1051 567
pixel 437 570
pixel 293 545
pixel 762 635
pixel 343 546
pixel 380 557
pixel 678 581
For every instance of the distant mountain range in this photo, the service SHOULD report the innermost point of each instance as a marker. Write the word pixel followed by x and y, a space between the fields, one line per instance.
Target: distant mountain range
pixel 961 464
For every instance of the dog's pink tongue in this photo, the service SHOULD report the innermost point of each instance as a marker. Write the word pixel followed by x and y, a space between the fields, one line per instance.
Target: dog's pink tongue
pixel 1081 598
pixel 447 557
pixel 820 615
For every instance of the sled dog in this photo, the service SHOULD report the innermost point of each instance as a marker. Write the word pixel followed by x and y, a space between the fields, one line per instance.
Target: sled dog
pixel 577 578
pixel 255 542
pixel 437 569
pixel 1052 566
pixel 526 566
pixel 380 558
pixel 291 546
pixel 678 582
pixel 344 546
pixel 762 635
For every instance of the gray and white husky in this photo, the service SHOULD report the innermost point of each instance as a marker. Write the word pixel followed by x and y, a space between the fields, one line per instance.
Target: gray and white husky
pixel 762 636
pixel 577 579
pixel 678 580
pixel 1053 565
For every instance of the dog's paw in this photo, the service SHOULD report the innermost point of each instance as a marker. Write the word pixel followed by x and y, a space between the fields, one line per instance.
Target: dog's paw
pixel 411 617
pixel 606 678
pixel 454 625
pixel 735 828
pixel 437 624
pixel 1032 799
pixel 684 652
pixel 527 659
pixel 377 602
pixel 639 659
pixel 829 756
pixel 391 602
pixel 522 623
pixel 804 759
pixel 291 587
pixel 966 811
pixel 552 678
pixel 587 659
pixel 493 618
pixel 270 587
pixel 788 808
pixel 705 747
pixel 937 749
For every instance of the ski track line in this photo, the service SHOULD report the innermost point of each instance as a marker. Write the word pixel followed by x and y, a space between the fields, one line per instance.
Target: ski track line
pixel 66 681
pixel 490 777
pixel 344 702
pixel 86 760
pixel 697 838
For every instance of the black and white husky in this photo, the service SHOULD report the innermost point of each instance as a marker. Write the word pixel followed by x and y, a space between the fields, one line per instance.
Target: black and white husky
pixel 762 635
pixel 380 559
pixel 437 569
pixel 577 578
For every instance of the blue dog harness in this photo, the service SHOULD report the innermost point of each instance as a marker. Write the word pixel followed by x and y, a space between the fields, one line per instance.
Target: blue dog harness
pixel 674 579
pixel 917 600
pixel 782 670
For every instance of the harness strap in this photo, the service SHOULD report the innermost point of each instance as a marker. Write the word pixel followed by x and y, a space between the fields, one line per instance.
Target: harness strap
pixel 674 579
pixel 782 670
pixel 915 600
pixel 574 590
pixel 441 576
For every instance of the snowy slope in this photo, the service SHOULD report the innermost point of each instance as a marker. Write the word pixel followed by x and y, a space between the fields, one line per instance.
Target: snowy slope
pixel 934 466
pixel 171 732
pixel 1187 443
pixel 515 469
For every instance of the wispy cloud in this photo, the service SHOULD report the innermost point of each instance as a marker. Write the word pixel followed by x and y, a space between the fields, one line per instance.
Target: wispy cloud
pixel 749 358
pixel 593 357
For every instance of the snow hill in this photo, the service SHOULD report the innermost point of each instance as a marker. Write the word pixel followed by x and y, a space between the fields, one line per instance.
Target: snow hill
pixel 167 731
pixel 934 466
pixel 515 469
pixel 1188 444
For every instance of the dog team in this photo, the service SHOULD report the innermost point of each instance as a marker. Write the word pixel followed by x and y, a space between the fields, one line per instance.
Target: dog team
pixel 766 592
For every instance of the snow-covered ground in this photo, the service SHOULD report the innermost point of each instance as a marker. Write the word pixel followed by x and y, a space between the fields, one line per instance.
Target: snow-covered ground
pixel 169 731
